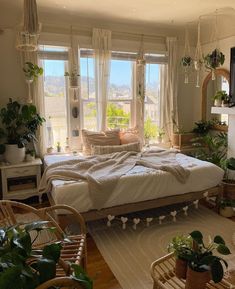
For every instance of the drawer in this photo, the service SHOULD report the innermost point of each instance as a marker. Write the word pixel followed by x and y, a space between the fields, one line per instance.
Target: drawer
pixel 20 172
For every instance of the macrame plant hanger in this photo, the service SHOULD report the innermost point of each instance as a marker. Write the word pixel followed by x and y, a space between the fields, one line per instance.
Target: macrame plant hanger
pixel 198 58
pixel 27 37
pixel 73 72
pixel 186 59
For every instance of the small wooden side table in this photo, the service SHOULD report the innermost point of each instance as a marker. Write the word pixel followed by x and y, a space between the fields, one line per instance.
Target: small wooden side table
pixel 163 274
pixel 21 181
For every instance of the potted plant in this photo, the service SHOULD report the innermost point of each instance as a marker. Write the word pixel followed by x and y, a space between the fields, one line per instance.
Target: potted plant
pixel 220 97
pixel 22 266
pixel 181 246
pixel 30 155
pixel 226 208
pixel 214 60
pixel 73 78
pixel 32 71
pixel 160 134
pixel 229 181
pixel 203 265
pixel 20 124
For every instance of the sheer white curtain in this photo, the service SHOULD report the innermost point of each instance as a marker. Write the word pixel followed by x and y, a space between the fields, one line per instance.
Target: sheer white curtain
pixel 168 92
pixel 101 42
pixel 36 98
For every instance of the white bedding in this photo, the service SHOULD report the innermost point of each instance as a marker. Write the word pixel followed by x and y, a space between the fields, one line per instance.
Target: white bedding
pixel 140 184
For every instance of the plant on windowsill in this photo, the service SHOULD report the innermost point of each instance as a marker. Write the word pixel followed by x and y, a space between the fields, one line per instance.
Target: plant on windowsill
pixel 20 124
pixel 24 267
pixel 203 265
pixel 220 97
pixel 181 246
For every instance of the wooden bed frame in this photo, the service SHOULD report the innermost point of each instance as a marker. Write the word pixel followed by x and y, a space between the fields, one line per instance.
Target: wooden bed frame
pixel 145 205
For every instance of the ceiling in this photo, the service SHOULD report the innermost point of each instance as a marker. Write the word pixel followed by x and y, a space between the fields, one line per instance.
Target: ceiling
pixel 144 13
pixel 165 12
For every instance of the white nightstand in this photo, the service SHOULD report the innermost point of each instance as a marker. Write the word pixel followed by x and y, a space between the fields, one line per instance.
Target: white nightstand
pixel 21 181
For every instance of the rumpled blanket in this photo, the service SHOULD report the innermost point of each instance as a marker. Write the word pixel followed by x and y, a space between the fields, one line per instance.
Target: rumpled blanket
pixel 103 172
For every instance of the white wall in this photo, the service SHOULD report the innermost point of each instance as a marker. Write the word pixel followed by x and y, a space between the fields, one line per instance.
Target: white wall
pixel 12 82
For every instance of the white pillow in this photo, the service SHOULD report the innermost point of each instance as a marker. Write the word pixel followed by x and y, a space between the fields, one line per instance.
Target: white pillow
pixel 108 149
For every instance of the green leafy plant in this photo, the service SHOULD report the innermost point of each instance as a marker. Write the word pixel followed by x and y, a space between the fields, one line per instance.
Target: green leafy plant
pixel 22 266
pixel 229 165
pixel 202 258
pixel 186 61
pixel 32 71
pixel 202 127
pixel 20 123
pixel 212 148
pixel 226 203
pixel 214 59
pixel 181 246
pixel 150 129
pixel 221 95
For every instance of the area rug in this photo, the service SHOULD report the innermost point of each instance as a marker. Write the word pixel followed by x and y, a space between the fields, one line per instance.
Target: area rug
pixel 129 253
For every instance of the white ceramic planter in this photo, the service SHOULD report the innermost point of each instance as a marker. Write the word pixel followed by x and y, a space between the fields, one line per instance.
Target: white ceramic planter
pixel 217 102
pixel 226 212
pixel 13 154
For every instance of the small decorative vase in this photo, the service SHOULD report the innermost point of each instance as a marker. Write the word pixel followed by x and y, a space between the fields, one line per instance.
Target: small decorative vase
pixel 181 268
pixel 14 154
pixel 224 104
pixel 197 280
pixel 29 158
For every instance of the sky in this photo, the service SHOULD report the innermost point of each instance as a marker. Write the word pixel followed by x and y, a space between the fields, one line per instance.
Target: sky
pixel 120 74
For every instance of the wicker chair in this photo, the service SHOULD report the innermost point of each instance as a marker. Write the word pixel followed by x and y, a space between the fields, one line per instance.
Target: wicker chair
pixel 75 251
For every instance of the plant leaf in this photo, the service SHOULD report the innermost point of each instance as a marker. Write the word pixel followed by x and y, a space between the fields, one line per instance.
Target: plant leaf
pixel 219 240
pixel 46 269
pixel 197 236
pixel 217 271
pixel 80 276
pixel 52 251
pixel 38 226
pixel 224 250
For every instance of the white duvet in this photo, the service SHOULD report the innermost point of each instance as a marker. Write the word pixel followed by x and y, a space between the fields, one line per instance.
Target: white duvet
pixel 140 184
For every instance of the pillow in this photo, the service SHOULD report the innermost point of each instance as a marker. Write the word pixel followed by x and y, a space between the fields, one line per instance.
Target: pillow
pixel 91 138
pixel 101 150
pixel 129 136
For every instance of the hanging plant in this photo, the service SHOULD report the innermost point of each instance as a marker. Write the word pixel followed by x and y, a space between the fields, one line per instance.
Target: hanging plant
pixel 214 59
pixel 73 78
pixel 186 61
pixel 32 71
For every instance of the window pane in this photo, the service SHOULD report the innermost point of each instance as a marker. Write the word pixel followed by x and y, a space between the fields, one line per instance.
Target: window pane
pixel 89 115
pixel 118 114
pixel 120 79
pixel 151 105
pixel 55 102
pixel 87 78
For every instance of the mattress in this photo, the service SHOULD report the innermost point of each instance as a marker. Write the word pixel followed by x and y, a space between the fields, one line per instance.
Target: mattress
pixel 139 184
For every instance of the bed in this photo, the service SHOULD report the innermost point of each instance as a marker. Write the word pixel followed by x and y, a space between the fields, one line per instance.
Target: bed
pixel 141 188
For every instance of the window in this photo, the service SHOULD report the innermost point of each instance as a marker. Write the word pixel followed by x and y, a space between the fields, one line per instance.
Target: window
pixel 88 100
pixel 120 94
pixel 151 103
pixel 55 64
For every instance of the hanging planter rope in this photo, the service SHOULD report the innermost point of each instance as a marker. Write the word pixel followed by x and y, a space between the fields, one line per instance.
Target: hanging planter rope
pixel 186 60
pixel 27 38
pixel 198 59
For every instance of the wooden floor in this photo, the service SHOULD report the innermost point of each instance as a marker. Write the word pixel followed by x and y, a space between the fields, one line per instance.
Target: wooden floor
pixel 98 269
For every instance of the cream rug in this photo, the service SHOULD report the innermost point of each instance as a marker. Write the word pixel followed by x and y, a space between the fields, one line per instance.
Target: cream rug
pixel 129 253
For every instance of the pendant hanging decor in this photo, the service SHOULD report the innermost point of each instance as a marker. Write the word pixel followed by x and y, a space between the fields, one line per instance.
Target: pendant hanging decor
pixel 186 60
pixel 216 58
pixel 141 62
pixel 198 59
pixel 73 73
pixel 147 221
pixel 27 37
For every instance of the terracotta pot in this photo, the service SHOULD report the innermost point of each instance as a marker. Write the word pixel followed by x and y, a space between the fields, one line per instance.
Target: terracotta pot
pixel 197 280
pixel 181 268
